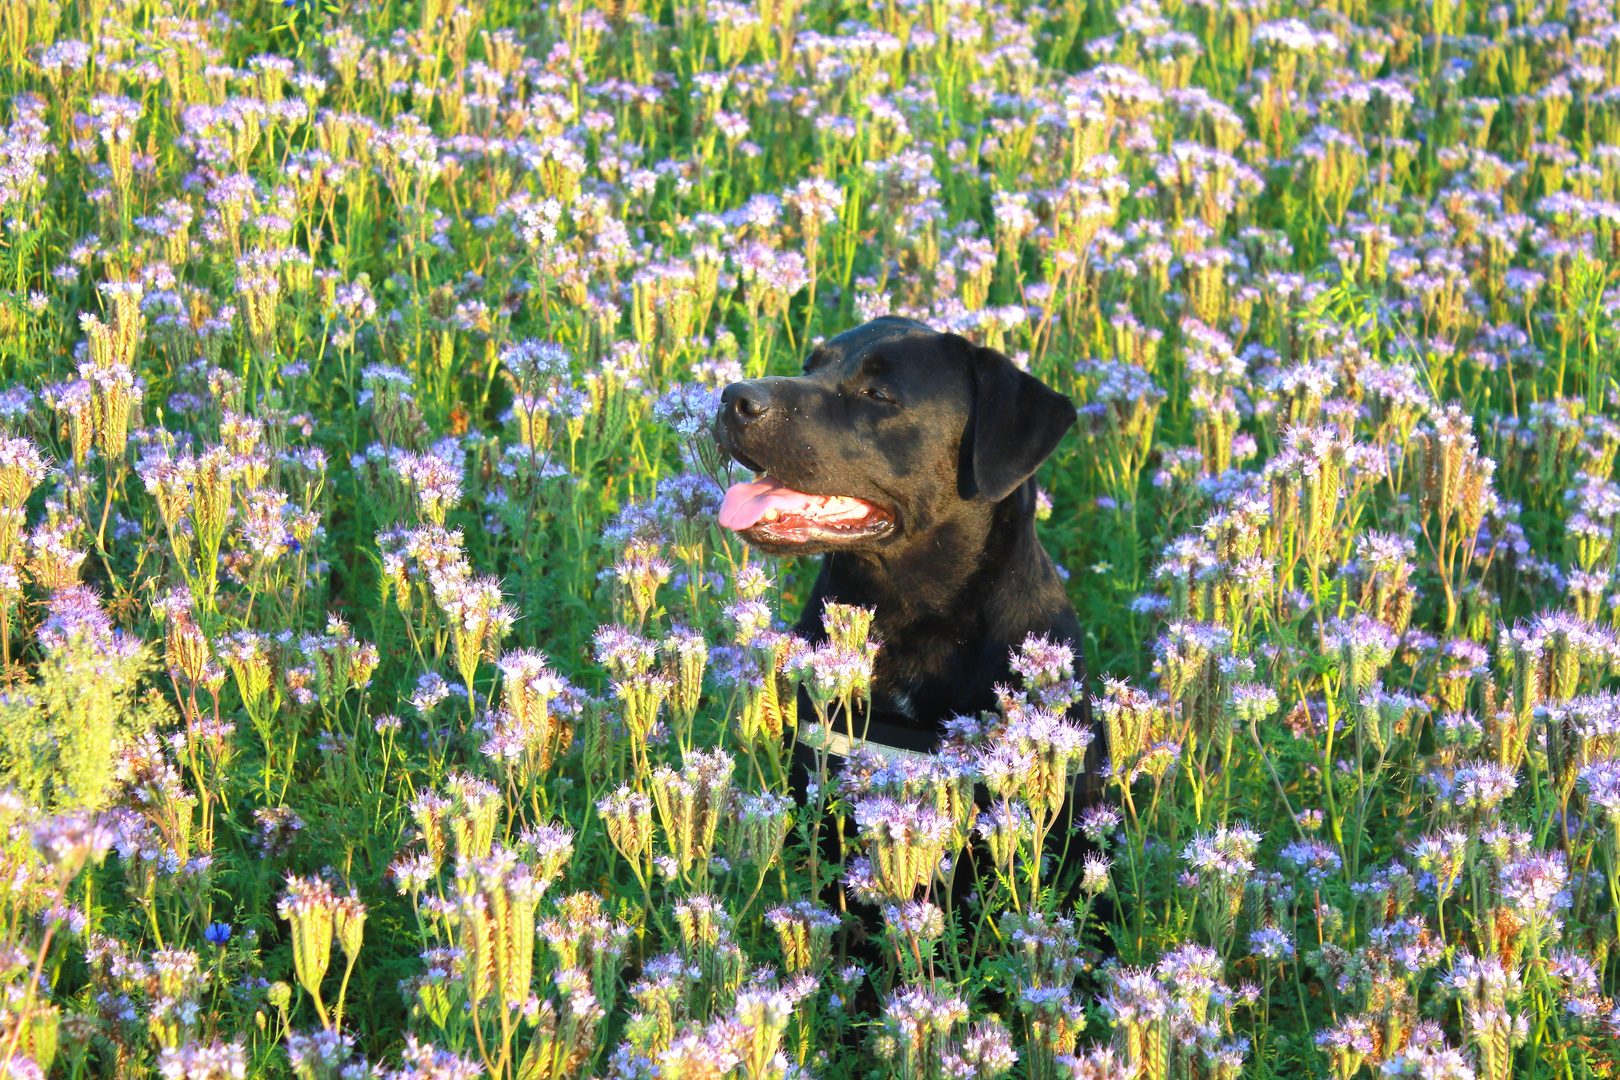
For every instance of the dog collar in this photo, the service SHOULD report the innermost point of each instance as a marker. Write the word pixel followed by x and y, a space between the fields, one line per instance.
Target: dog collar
pixel 838 744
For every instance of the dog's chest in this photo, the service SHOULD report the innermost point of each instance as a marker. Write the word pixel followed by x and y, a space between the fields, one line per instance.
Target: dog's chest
pixel 898 700
pixel 928 678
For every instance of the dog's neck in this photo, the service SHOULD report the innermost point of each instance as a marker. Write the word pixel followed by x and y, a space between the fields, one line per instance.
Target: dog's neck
pixel 936 571
pixel 966 563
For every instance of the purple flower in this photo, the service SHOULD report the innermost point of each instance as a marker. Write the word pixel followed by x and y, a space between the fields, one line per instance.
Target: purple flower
pixel 687 408
pixel 1271 943
pixel 624 652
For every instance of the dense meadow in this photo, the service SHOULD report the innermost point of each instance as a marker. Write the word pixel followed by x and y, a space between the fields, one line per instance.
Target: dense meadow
pixel 382 699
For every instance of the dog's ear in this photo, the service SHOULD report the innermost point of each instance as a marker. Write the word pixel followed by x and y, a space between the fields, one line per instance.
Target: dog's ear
pixel 1017 422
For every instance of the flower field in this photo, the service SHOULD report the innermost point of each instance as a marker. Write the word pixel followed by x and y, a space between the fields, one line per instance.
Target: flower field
pixel 383 701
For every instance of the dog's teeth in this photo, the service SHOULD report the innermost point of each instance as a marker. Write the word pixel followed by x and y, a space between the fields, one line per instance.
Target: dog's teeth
pixel 772 514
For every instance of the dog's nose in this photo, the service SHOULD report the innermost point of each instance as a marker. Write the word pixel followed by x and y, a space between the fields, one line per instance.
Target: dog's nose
pixel 746 401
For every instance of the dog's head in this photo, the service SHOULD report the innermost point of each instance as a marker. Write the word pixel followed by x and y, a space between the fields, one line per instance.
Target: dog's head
pixel 891 430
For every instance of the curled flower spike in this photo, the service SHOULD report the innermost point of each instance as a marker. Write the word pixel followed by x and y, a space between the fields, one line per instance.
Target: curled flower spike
pixel 319 1055
pixel 628 816
pixel 1055 749
pixel 22 467
pixel 538 731
pixel 691 806
pixel 641 570
pixel 905 842
pixel 1132 721
pixel 581 937
pixel 918 1024
pixel 310 906
pixel 805 931
pixel 763 1016
pixel 762 826
pixel 709 952
pixel 1222 861
pixel 472 815
pixel 848 627
pixel 1047 669
pixel 836 674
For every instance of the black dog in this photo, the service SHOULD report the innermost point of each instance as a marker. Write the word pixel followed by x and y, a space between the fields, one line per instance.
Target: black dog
pixel 907 457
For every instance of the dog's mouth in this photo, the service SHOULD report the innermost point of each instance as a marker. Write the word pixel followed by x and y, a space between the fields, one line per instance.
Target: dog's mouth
pixel 767 511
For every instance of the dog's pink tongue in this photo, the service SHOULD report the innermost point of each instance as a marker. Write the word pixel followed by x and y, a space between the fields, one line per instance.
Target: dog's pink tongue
pixel 745 504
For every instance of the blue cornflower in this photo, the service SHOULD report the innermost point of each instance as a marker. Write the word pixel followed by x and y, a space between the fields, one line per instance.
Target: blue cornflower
pixel 217 933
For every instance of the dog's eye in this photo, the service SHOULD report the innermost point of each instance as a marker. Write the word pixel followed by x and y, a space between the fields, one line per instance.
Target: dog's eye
pixel 875 394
